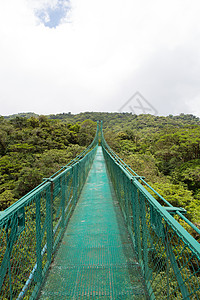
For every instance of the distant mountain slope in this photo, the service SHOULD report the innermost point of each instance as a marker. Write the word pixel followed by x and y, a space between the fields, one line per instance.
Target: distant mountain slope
pixel 124 119
pixel 22 115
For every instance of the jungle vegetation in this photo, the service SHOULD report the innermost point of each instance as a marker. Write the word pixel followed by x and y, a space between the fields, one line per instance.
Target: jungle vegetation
pixel 166 150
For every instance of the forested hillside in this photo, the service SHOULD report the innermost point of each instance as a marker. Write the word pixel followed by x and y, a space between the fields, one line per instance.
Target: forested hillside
pixel 166 150
pixel 34 148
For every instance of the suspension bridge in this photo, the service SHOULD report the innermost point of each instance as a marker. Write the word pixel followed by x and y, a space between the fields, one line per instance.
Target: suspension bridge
pixel 94 230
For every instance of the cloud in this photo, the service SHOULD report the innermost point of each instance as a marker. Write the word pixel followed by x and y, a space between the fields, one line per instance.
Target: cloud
pixel 98 55
pixel 170 79
pixel 53 13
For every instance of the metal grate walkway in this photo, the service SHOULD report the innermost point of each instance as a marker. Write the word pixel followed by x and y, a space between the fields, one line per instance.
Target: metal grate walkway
pixel 95 259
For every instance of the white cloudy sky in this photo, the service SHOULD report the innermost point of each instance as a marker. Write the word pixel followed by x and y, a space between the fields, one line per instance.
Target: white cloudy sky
pixel 93 55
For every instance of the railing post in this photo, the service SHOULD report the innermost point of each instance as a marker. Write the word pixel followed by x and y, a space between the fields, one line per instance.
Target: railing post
pixel 144 235
pixel 126 198
pixel 133 207
pixel 101 134
pixel 175 267
pixel 49 207
pixel 10 240
pixel 63 187
pixel 76 182
pixel 38 240
pixel 136 218
pixel 9 266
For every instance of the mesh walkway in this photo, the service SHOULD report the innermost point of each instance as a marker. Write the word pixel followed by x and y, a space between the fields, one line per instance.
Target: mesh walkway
pixel 95 259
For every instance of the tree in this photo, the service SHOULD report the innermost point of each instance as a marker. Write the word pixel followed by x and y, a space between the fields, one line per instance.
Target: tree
pixel 28 179
pixel 87 132
pixel 6 199
pixel 189 173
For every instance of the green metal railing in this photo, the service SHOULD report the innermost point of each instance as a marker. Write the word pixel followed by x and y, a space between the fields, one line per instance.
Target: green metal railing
pixel 168 255
pixel 31 229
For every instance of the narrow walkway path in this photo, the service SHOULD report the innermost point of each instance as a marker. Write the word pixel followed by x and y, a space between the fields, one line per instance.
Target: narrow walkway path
pixel 96 259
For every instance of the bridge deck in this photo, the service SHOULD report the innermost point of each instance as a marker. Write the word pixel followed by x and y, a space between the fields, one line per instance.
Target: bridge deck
pixel 95 259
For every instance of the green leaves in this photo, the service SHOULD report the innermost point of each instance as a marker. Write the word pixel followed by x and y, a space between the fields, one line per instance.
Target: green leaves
pixel 22 148
pixel 176 194
pixel 28 179
pixel 31 149
pixel 6 199
pixel 166 150
pixel 189 173
pixel 86 132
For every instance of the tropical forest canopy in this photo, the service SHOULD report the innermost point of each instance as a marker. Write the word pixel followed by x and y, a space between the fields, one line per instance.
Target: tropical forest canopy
pixel 166 150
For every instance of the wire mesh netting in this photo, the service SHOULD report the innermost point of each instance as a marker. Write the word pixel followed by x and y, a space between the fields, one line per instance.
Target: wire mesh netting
pixel 19 244
pixel 120 243
pixel 96 259
pixel 168 255
pixel 31 229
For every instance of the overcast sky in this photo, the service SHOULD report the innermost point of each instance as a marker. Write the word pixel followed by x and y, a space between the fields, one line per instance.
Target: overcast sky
pixel 94 55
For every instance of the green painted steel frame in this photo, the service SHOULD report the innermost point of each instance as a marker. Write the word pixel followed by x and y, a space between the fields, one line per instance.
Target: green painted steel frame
pixel 169 256
pixel 31 229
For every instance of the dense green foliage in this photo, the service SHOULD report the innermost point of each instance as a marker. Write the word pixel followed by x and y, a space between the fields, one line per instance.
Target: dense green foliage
pixel 34 148
pixel 166 150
